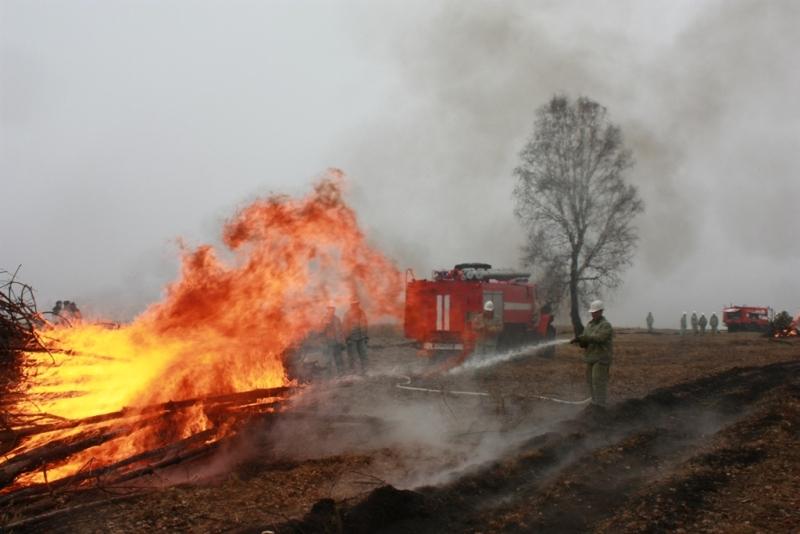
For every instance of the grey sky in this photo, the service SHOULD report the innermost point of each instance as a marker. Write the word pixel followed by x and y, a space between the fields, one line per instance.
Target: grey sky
pixel 125 125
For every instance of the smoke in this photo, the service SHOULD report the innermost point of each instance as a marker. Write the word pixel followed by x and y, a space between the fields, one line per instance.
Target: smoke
pixel 704 95
pixel 414 438
pixel 115 149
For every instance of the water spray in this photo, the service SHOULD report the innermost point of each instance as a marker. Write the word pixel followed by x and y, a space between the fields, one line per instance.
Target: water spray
pixel 528 350
pixel 480 364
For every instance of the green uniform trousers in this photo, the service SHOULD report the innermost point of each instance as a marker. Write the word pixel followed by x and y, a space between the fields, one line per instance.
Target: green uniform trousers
pixel 597 381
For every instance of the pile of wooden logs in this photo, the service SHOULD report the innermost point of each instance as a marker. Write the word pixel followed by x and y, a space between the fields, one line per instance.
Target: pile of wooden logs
pixel 234 410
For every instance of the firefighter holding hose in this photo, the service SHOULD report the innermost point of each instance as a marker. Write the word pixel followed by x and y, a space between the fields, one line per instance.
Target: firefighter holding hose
pixel 596 340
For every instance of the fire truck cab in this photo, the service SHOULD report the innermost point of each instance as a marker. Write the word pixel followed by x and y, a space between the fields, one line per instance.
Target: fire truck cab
pixel 438 312
pixel 747 318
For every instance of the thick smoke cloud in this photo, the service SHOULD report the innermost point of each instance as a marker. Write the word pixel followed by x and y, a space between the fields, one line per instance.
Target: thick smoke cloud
pixel 114 142
pixel 706 104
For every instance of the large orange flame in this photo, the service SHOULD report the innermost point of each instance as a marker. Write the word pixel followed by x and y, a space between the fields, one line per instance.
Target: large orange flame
pixel 223 326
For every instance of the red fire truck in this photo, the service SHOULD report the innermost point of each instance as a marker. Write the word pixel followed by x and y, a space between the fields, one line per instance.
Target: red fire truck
pixel 742 318
pixel 438 311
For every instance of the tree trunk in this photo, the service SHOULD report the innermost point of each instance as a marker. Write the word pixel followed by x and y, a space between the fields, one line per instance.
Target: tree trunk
pixel 574 300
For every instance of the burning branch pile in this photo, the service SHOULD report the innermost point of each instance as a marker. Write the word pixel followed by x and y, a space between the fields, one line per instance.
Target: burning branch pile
pixel 198 365
pixel 19 321
pixel 19 318
pixel 43 451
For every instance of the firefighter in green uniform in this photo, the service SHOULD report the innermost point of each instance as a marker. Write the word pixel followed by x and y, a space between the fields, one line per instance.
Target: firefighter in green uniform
pixel 702 322
pixel 694 323
pixel 683 324
pixel 650 322
pixel 713 322
pixel 596 340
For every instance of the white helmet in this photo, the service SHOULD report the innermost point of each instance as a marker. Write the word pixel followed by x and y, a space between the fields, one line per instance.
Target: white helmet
pixel 596 305
pixel 488 306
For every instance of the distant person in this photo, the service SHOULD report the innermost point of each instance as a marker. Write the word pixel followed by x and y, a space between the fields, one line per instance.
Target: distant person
pixel 485 330
pixel 355 331
pixel 650 322
pixel 694 322
pixel 702 322
pixel 713 323
pixel 683 324
pixel 73 311
pixel 333 338
pixel 597 341
pixel 57 313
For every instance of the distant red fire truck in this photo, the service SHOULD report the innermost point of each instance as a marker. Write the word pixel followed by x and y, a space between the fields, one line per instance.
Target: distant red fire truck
pixel 747 318
pixel 438 311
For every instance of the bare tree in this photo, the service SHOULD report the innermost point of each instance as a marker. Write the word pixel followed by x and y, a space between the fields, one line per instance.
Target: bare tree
pixel 572 198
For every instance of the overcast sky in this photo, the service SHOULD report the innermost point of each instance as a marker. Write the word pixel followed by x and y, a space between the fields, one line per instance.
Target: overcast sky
pixel 127 125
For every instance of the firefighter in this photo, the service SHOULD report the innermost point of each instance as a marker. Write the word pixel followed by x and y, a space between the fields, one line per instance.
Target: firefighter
pixel 334 341
pixel 355 330
pixel 694 322
pixel 650 322
pixel 702 322
pixel 597 341
pixel 713 323
pixel 485 330
pixel 683 324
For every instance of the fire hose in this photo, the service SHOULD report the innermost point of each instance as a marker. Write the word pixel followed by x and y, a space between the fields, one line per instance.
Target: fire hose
pixel 406 385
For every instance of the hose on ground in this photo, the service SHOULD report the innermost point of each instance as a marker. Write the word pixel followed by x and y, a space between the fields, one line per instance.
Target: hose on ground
pixel 406 386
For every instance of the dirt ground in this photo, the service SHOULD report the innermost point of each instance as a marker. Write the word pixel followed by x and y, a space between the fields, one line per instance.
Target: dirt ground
pixel 701 436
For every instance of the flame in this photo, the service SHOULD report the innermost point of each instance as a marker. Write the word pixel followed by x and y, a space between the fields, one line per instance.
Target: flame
pixel 786 332
pixel 222 326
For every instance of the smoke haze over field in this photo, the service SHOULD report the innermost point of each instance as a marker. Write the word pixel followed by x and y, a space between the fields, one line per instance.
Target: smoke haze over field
pixel 125 125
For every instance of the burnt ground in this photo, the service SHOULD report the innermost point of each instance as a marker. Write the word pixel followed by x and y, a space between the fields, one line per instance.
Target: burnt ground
pixel 701 435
